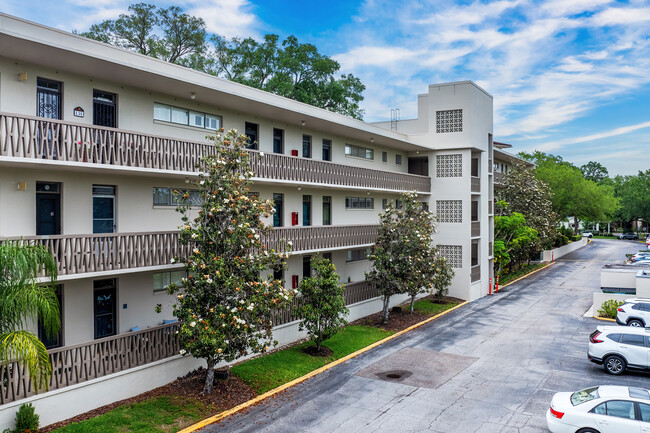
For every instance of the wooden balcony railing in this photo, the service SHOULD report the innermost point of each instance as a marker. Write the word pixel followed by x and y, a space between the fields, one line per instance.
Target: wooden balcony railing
pixel 476 184
pixel 83 362
pixel 476 228
pixel 47 139
pixel 77 254
pixel 498 177
pixel 476 273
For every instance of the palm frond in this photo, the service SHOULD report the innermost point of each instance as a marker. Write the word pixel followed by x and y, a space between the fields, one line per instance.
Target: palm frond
pixel 25 347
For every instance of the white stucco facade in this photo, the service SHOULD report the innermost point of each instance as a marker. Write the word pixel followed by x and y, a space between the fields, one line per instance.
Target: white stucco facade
pixel 448 145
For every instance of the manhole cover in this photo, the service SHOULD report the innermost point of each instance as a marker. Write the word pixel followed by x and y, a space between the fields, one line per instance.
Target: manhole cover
pixel 394 375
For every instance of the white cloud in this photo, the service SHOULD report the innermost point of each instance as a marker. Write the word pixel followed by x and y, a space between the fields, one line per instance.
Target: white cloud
pixel 228 18
pixel 592 137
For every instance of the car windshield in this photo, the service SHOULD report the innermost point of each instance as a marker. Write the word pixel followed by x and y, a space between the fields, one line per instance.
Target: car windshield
pixel 584 395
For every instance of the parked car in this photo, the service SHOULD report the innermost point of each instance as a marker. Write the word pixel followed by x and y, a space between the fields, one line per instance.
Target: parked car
pixel 628 236
pixel 588 234
pixel 618 348
pixel 635 312
pixel 604 409
pixel 640 256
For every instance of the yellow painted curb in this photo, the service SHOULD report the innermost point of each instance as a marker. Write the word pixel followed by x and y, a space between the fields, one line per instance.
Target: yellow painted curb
pixel 259 398
pixel 605 318
pixel 527 275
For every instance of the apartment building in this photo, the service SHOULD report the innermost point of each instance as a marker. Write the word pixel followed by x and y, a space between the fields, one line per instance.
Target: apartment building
pixel 93 139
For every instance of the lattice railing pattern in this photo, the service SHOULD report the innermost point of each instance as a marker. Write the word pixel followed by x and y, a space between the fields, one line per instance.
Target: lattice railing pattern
pixel 87 361
pixel 38 138
pixel 83 362
pixel 76 254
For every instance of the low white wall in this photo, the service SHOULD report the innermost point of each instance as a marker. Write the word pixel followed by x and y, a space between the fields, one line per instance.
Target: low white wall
pixel 618 278
pixel 643 284
pixel 600 297
pixel 556 253
pixel 67 402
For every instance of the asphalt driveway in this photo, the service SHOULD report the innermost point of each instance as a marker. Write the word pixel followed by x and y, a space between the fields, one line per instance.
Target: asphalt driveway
pixel 491 366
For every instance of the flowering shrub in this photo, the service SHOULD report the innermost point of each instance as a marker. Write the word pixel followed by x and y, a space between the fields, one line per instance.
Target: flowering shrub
pixel 404 259
pixel 224 306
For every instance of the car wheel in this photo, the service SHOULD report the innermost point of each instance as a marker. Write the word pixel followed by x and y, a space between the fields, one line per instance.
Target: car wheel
pixel 587 430
pixel 614 365
pixel 591 236
pixel 635 323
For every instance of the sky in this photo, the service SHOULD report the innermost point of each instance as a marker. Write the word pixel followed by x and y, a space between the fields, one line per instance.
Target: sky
pixel 568 77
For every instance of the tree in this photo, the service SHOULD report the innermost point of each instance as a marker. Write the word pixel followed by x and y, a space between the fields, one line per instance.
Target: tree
pixel 573 195
pixel 291 69
pixel 167 34
pixel 511 234
pixel 404 259
pixel 633 193
pixel 224 306
pixel 322 309
pixel 594 171
pixel 442 278
pixel 531 197
pixel 24 300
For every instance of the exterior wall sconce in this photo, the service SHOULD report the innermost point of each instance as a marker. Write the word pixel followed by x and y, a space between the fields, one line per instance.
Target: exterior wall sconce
pixel 22 76
pixel 22 186
pixel 303 123
pixel 192 96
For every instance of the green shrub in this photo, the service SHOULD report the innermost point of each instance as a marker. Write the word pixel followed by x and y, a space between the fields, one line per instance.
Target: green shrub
pixel 609 308
pixel 576 238
pixel 27 420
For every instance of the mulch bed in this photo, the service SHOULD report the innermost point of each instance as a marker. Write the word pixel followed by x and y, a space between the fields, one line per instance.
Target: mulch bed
pixel 233 391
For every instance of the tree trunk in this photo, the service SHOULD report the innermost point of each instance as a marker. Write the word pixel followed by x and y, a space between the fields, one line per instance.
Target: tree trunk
pixel 575 226
pixel 209 378
pixel 384 313
pixel 412 302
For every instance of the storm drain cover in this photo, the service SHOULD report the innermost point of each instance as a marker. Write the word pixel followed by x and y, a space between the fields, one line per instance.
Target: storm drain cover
pixel 394 375
pixel 418 367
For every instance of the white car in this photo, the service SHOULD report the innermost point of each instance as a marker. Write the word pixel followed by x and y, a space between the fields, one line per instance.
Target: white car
pixel 619 348
pixel 587 234
pixel 601 409
pixel 635 312
pixel 640 256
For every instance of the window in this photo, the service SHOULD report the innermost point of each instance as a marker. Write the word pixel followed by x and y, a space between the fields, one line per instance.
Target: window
pixel 645 412
pixel 398 203
pixel 617 408
pixel 52 341
pixel 183 116
pixel 327 149
pixel 615 337
pixel 584 396
pixel 162 280
pixel 474 210
pixel 358 151
pixel 633 340
pixel 306 146
pixel 48 98
pixel 163 196
pixel 306 266
pixel 359 203
pixel 384 157
pixel 475 167
pixel 384 203
pixel 251 131
pixel 359 254
pixel 327 210
pixel 278 204
pixel 278 140
pixel 306 210
pixel 328 256
pixel 398 159
pixel 475 252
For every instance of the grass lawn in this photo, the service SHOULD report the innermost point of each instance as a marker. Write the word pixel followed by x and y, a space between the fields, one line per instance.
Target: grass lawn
pixel 159 415
pixel 270 371
pixel 427 307
pixel 505 279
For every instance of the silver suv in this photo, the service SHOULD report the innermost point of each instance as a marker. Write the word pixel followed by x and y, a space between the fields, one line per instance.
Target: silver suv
pixel 635 312
pixel 619 348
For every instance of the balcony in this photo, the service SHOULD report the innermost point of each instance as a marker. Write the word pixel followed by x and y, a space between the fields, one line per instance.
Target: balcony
pixel 34 139
pixel 476 229
pixel 80 363
pixel 476 184
pixel 476 273
pixel 498 178
pixel 78 254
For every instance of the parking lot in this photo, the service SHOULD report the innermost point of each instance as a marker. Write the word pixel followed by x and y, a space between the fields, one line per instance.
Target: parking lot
pixel 491 366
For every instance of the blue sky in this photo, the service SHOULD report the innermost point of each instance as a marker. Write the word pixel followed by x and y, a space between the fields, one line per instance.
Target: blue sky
pixel 569 77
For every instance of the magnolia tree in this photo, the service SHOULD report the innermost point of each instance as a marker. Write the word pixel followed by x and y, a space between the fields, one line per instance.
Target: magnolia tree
pixel 322 308
pixel 404 259
pixel 224 304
